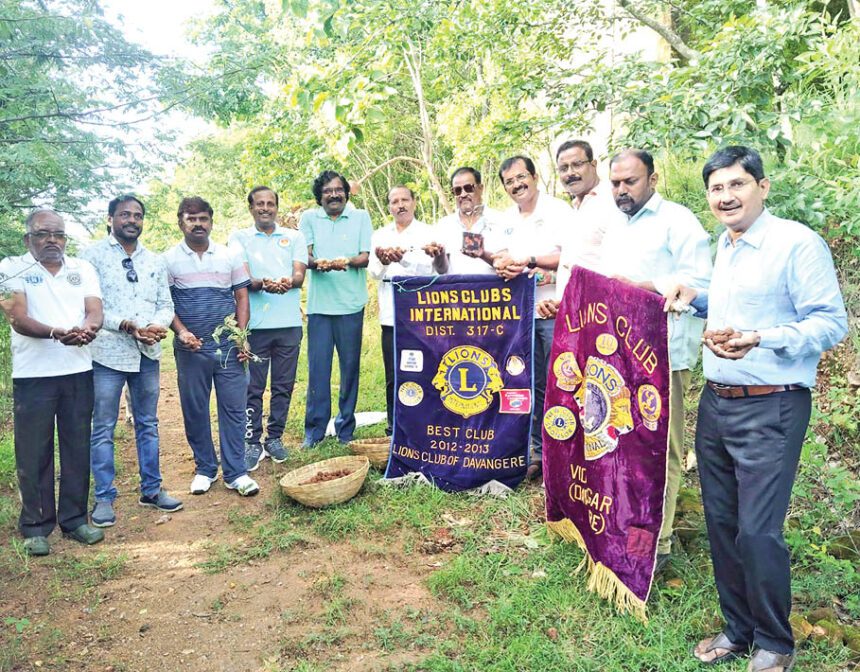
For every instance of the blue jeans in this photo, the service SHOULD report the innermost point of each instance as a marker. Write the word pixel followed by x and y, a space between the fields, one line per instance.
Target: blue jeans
pixel 543 346
pixel 325 333
pixel 195 373
pixel 144 389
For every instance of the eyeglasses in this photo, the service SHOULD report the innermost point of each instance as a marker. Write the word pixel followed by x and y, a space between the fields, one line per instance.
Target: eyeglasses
pixel 732 187
pixel 333 191
pixel 126 215
pixel 511 181
pixel 130 273
pixel 466 188
pixel 42 236
pixel 573 165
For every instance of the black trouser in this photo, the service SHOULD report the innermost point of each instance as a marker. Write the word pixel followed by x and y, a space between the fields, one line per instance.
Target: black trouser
pixel 542 348
pixel 38 402
pixel 388 361
pixel 277 349
pixel 747 451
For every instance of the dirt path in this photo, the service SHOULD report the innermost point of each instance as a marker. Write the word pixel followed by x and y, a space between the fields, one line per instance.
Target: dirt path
pixel 163 611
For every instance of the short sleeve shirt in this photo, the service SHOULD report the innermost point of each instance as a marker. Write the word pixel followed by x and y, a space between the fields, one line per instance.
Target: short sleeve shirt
pixel 54 300
pixel 272 256
pixel 202 289
pixel 337 292
pixel 449 232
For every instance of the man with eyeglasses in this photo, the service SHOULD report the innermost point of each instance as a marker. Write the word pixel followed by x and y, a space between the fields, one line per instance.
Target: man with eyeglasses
pixel 209 285
pixel 530 242
pixel 138 310
pixel 773 306
pixel 464 235
pixel 339 242
pixel 53 304
pixel 276 258
pixel 594 213
pixel 659 244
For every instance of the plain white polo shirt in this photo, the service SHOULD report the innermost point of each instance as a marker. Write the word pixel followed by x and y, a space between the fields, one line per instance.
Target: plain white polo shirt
pixel 415 261
pixel 537 234
pixel 55 300
pixel 583 239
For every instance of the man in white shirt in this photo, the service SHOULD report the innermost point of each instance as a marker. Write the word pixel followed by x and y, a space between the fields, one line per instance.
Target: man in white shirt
pixel 594 212
pixel 53 304
pixel 530 242
pixel 661 245
pixel 398 249
pixel 464 235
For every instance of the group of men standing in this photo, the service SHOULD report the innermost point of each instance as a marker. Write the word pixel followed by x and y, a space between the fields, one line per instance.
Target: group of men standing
pixel 772 303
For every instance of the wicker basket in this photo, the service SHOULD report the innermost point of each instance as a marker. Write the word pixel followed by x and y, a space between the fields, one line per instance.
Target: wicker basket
pixel 375 450
pixel 328 492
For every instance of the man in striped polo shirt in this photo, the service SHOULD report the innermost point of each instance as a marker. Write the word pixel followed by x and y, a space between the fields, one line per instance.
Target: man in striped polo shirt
pixel 209 283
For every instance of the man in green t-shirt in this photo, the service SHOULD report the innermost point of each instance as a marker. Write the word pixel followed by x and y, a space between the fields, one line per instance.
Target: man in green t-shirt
pixel 338 238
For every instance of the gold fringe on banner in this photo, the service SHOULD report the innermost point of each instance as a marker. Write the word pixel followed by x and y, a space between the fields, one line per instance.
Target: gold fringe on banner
pixel 601 579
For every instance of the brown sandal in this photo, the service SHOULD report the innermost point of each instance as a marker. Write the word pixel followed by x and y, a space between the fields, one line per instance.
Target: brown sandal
pixel 764 660
pixel 721 641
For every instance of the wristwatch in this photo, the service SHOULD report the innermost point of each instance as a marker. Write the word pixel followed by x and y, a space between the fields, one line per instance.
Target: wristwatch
pixel 532 262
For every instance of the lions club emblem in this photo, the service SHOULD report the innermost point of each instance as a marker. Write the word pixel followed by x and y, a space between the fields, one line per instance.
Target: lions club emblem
pixel 467 379
pixel 604 408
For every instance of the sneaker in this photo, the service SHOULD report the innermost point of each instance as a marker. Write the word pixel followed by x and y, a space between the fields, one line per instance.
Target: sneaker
pixel 254 454
pixel 275 449
pixel 201 483
pixel 244 485
pixel 161 501
pixel 85 534
pixel 103 515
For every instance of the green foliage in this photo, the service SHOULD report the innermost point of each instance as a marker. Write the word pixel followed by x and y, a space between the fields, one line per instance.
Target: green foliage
pixel 71 89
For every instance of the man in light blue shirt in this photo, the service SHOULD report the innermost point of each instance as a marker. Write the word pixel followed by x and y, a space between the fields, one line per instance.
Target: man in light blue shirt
pixel 773 307
pixel 660 244
pixel 338 239
pixel 127 351
pixel 276 259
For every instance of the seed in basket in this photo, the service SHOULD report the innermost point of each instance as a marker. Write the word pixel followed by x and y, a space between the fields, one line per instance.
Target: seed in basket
pixel 323 476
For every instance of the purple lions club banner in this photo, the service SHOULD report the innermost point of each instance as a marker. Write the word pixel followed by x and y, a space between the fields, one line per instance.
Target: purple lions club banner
pixel 606 432
pixel 463 382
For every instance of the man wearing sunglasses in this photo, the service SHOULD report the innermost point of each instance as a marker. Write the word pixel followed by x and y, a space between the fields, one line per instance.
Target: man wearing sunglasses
pixel 53 304
pixel 137 311
pixel 465 234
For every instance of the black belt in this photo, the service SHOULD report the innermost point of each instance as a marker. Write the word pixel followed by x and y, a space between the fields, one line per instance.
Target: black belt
pixel 738 391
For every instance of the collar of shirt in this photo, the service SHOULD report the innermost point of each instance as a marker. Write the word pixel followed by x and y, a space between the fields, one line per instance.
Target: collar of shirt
pixel 591 194
pixel 652 206
pixel 321 214
pixel 138 250
pixel 279 231
pixel 754 235
pixel 535 215
pixel 30 259
pixel 209 250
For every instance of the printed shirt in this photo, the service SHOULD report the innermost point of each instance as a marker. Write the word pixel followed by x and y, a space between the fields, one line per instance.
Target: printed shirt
pixel 202 288
pixel 144 302
pixel 415 261
pixel 449 232
pixel 272 256
pixel 539 233
pixel 666 244
pixel 582 243
pixel 777 279
pixel 54 300
pixel 337 292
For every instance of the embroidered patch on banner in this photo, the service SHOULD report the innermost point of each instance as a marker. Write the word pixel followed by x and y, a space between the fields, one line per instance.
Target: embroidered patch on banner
pixel 650 405
pixel 606 344
pixel 410 394
pixel 467 379
pixel 515 365
pixel 559 422
pixel 604 408
pixel 412 360
pixel 567 373
pixel 515 401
